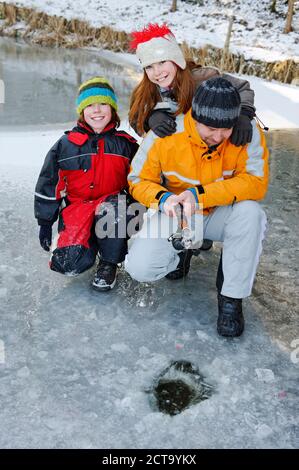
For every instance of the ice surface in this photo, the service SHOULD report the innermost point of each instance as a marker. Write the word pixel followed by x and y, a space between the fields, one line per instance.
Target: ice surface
pixel 49 79
pixel 266 375
pixel 78 363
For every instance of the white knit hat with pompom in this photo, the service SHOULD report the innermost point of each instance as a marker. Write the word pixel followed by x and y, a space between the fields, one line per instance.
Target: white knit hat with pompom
pixel 155 44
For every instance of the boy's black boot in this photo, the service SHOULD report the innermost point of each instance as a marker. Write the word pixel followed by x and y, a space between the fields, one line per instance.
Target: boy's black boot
pixel 105 276
pixel 230 319
pixel 206 244
pixel 183 267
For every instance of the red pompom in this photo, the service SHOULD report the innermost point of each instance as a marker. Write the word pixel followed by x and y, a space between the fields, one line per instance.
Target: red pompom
pixel 152 30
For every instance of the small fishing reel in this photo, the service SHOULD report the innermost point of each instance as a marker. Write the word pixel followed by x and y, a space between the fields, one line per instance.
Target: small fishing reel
pixel 182 238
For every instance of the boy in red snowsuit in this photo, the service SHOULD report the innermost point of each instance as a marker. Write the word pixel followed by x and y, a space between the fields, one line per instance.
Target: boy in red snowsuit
pixel 84 173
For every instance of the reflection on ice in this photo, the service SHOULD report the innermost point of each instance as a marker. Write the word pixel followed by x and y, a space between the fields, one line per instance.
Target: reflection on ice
pixel 49 78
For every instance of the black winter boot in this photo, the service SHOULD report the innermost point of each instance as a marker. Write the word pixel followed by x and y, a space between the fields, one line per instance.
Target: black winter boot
pixel 206 244
pixel 230 319
pixel 105 276
pixel 183 267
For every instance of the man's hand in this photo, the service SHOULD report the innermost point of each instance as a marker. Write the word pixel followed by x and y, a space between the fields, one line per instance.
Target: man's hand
pixel 170 204
pixel 188 202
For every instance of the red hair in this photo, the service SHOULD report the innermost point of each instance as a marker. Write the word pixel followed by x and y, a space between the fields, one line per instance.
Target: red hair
pixel 145 97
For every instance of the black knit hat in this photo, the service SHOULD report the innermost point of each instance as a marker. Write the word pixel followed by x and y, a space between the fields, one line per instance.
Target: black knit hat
pixel 216 103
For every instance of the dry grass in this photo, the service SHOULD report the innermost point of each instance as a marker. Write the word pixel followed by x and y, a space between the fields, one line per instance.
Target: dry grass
pixel 57 31
pixel 283 71
pixel 9 14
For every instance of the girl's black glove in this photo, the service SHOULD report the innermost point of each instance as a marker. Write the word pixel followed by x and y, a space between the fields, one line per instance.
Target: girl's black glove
pixel 162 123
pixel 45 236
pixel 242 132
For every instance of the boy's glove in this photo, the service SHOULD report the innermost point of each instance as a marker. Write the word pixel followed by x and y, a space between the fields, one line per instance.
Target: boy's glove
pixel 242 132
pixel 45 236
pixel 162 123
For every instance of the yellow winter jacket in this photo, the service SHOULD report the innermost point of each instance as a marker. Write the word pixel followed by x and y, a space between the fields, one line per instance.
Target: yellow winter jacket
pixel 183 160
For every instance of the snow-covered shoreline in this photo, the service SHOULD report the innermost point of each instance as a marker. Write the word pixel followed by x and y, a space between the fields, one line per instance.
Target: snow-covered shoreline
pixel 257 33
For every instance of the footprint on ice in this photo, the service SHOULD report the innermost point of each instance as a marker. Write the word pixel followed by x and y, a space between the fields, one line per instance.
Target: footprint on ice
pixel 178 387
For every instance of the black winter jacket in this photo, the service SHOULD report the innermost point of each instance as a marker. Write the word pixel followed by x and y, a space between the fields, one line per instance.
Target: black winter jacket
pixel 82 166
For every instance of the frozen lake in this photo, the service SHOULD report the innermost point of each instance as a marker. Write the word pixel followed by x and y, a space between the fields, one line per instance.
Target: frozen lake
pixel 75 364
pixel 41 83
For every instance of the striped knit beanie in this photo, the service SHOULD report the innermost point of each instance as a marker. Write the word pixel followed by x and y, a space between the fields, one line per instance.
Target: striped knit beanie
pixel 216 103
pixel 95 90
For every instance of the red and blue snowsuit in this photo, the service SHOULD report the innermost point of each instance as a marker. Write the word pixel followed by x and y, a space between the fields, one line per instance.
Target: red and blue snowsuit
pixel 81 171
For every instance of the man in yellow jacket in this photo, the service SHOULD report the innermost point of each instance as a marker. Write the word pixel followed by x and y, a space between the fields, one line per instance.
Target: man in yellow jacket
pixel 198 167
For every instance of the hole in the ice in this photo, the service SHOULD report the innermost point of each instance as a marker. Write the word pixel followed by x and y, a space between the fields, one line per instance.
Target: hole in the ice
pixel 178 387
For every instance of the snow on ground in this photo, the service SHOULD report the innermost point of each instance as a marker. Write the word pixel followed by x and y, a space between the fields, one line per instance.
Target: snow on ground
pixel 277 105
pixel 257 33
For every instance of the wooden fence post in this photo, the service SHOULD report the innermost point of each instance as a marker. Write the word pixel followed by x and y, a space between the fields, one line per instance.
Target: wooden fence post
pixel 225 53
pixel 174 6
